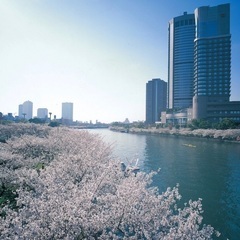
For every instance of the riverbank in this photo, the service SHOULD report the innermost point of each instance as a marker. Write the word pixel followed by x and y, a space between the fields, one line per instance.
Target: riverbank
pixel 224 135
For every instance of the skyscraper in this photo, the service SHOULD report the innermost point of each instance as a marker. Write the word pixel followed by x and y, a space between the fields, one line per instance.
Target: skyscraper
pixel 156 99
pixel 212 58
pixel 67 112
pixel 181 33
pixel 199 65
pixel 27 109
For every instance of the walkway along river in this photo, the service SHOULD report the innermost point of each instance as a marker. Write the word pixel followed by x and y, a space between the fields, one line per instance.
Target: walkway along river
pixel 206 169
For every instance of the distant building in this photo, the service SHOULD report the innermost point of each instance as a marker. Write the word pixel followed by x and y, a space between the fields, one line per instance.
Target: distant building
pixel 126 121
pixel 67 112
pixel 27 110
pixel 42 113
pixel 181 33
pixel 156 100
pixel 20 110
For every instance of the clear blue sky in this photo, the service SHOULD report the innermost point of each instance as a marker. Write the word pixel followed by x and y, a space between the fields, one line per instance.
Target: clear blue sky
pixel 98 54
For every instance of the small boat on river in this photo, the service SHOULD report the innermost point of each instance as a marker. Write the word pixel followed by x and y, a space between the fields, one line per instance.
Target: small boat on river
pixel 189 145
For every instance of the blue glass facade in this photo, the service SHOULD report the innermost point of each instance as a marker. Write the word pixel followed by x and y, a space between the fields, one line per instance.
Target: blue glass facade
pixel 212 68
pixel 156 99
pixel 212 65
pixel 212 53
pixel 199 64
pixel 181 61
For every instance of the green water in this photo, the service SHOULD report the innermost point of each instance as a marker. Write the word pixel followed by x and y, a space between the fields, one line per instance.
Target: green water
pixel 204 169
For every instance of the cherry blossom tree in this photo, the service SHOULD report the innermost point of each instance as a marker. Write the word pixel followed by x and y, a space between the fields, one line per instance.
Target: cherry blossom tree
pixel 68 186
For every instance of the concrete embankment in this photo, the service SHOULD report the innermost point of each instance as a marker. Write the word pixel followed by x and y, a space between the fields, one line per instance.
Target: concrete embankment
pixel 225 135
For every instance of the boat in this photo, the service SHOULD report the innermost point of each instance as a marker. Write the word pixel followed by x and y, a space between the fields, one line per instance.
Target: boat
pixel 189 145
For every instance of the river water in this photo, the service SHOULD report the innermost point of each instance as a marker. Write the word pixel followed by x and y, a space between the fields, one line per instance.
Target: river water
pixel 207 169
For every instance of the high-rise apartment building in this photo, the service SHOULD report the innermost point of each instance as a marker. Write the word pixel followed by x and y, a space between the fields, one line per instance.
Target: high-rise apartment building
pixel 156 99
pixel 181 33
pixel 27 110
pixel 67 112
pixel 42 113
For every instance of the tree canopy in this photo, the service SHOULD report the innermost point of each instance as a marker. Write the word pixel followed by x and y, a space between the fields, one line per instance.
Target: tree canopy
pixel 67 185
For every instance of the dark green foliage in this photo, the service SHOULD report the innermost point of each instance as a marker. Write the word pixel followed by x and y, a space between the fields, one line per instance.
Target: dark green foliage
pixel 227 124
pixel 177 126
pixel 204 124
pixel 140 125
pixel 7 196
pixel 54 124
pixel 37 121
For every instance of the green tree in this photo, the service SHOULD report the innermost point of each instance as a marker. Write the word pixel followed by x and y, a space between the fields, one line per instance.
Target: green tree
pixel 53 124
pixel 37 120
pixel 227 123
pixel 204 124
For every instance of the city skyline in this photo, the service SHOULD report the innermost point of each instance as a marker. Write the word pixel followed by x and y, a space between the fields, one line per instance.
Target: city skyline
pixel 96 54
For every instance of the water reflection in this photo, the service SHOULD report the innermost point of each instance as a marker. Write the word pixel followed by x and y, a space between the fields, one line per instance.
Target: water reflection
pixel 202 172
pixel 210 170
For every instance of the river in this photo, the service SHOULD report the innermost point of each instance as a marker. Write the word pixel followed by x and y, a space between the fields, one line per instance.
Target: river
pixel 207 169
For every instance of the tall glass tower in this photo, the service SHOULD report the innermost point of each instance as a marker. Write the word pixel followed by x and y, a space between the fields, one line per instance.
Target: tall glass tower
pixel 212 69
pixel 212 57
pixel 156 99
pixel 181 34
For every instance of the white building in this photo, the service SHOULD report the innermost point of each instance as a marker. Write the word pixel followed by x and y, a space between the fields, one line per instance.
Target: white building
pixel 27 109
pixel 67 112
pixel 42 113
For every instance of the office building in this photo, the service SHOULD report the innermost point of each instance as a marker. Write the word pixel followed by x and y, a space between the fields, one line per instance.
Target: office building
pixel 199 66
pixel 181 33
pixel 156 100
pixel 212 65
pixel 67 112
pixel 212 68
pixel 42 113
pixel 27 110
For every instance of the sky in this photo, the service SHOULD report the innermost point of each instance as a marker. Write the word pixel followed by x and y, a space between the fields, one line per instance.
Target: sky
pixel 97 54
